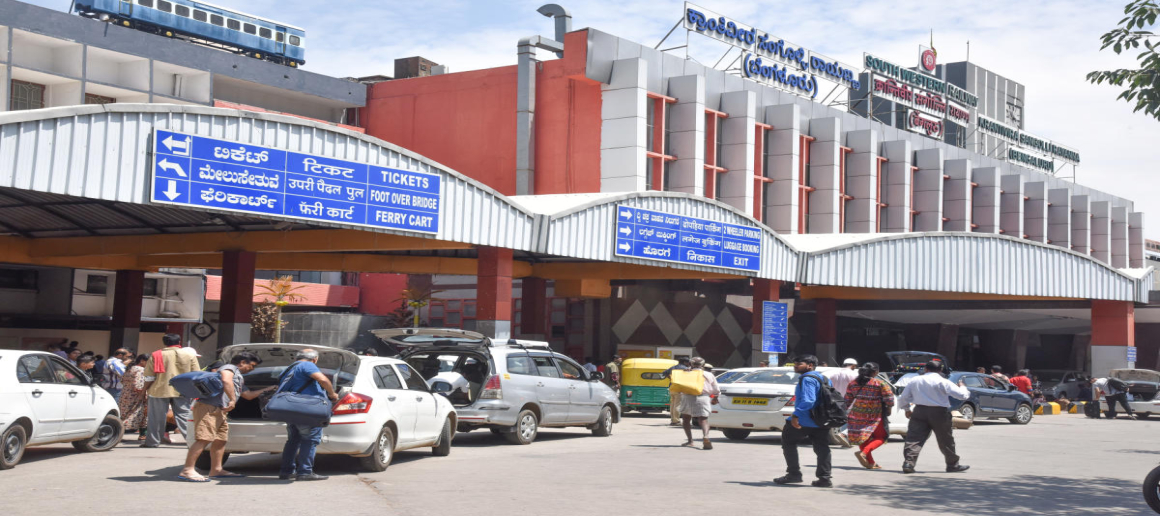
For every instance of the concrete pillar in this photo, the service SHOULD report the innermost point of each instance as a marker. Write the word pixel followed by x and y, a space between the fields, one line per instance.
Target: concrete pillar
pixel 1035 211
pixel 1101 231
pixel 957 195
pixel 763 290
pixel 1113 332
pixel 494 293
pixel 237 304
pixel 1059 217
pixel 1081 224
pixel 948 342
pixel 783 157
pixel 985 200
pixel 1136 240
pixel 125 330
pixel 624 121
pixel 1011 205
pixel 862 182
pixel 896 186
pixel 1119 247
pixel 825 176
pixel 737 141
pixel 686 122
pixel 826 331
pixel 928 190
pixel 534 309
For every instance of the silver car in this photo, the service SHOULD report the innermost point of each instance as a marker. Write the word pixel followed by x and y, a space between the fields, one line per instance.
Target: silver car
pixel 512 388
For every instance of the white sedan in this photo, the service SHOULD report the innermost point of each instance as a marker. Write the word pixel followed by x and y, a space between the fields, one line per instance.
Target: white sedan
pixel 384 406
pixel 44 399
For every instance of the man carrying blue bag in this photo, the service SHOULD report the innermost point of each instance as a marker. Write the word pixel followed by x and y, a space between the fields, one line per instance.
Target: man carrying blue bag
pixel 303 379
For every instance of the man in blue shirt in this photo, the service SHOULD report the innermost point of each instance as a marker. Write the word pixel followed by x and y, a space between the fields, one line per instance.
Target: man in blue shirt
pixel 802 425
pixel 301 440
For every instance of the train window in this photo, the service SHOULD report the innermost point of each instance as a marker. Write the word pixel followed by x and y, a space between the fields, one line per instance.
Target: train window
pixel 200 15
pixel 181 10
pixel 265 33
pixel 249 29
pixel 165 7
pixel 295 41
pixel 145 3
pixel 217 20
pixel 234 24
pixel 280 37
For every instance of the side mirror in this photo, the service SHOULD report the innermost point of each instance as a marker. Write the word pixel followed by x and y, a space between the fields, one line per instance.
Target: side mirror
pixel 595 376
pixel 440 388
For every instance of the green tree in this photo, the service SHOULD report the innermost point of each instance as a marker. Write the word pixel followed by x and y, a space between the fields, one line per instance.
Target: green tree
pixel 1142 85
pixel 284 292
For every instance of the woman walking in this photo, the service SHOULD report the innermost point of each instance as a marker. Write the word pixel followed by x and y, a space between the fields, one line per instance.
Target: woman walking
pixel 699 407
pixel 868 404
pixel 132 403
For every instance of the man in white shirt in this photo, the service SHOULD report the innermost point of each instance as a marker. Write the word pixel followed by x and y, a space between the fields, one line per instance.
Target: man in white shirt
pixel 841 379
pixel 1112 395
pixel 930 394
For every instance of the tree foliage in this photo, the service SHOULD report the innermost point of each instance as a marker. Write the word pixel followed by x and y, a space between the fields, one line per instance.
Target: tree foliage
pixel 1142 85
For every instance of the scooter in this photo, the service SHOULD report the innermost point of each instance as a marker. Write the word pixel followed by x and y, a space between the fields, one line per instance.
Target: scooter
pixel 1152 489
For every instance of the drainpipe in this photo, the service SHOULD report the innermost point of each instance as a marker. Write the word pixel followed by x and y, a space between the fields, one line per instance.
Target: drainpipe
pixel 526 94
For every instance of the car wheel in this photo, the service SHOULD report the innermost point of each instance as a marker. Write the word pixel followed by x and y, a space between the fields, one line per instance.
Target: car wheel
pixel 204 462
pixel 603 426
pixel 108 436
pixel 1022 414
pixel 12 446
pixel 968 411
pixel 735 434
pixel 527 426
pixel 1152 489
pixel 1145 415
pixel 381 453
pixel 443 449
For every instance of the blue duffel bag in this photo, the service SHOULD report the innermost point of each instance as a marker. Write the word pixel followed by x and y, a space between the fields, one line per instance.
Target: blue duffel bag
pixel 296 408
pixel 198 384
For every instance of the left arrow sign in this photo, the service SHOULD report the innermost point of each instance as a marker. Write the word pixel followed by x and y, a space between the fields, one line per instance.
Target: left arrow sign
pixel 169 165
pixel 171 192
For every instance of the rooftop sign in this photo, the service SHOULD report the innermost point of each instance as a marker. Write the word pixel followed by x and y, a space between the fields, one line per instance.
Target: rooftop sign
pixel 1028 141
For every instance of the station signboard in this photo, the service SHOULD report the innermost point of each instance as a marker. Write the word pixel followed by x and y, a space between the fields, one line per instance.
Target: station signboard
pixel 666 237
pixel 774 327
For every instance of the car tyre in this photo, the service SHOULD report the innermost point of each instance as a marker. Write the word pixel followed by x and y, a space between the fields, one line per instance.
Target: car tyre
pixel 968 411
pixel 1022 414
pixel 107 437
pixel 12 445
pixel 603 427
pixel 443 448
pixel 204 462
pixel 526 429
pixel 381 453
pixel 1152 489
pixel 735 434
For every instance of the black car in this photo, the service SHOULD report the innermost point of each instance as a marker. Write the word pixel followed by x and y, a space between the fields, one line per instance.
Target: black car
pixel 990 398
pixel 913 362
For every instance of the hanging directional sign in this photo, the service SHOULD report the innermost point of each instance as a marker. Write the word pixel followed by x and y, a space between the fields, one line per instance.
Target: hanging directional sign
pixel 210 173
pixel 774 327
pixel 662 236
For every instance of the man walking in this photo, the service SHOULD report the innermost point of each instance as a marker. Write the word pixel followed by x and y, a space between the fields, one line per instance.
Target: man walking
pixel 675 397
pixel 840 379
pixel 210 426
pixel 114 369
pixel 163 365
pixel 802 424
pixel 301 440
pixel 1113 390
pixel 930 394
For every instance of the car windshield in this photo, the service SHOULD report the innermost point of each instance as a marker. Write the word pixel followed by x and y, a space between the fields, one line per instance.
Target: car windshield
pixel 731 376
pixel 775 377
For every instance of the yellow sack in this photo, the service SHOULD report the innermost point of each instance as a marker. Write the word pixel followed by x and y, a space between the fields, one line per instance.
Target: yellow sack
pixel 687 382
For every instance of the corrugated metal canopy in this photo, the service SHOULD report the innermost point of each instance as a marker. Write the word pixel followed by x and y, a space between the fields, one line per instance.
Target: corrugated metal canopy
pixel 584 226
pixel 964 262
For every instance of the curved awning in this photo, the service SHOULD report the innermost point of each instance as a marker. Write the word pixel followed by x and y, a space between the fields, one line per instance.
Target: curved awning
pixel 586 226
pixel 963 262
pixel 104 152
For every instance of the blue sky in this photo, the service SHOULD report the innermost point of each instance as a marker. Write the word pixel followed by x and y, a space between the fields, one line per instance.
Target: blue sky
pixel 1047 46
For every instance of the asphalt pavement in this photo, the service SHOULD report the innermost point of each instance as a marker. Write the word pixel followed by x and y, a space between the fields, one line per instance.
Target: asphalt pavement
pixel 1057 465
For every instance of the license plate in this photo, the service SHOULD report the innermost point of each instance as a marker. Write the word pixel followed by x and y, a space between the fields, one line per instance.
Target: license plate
pixel 751 401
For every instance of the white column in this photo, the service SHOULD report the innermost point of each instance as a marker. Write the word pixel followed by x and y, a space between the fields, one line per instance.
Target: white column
pixel 783 155
pixel 623 114
pixel 928 190
pixel 1101 232
pixel 737 139
pixel 896 186
pixel 985 200
pixel 957 195
pixel 825 152
pixel 1035 211
pixel 686 122
pixel 1136 240
pixel 1081 224
pixel 1011 205
pixel 1119 249
pixel 861 181
pixel 1059 217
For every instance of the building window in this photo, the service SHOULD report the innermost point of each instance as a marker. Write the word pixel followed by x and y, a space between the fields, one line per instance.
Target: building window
pixel 266 33
pixel 92 98
pixel 181 10
pixel 804 188
pixel 913 212
pixel 233 25
pixel 656 142
pixel 26 95
pixel 294 40
pixel 200 16
pixel 452 313
pixel 842 195
pixel 217 20
pixel 296 276
pixel 878 195
pixel 760 181
pixel 97 284
pixel 165 7
pixel 713 151
pixel 19 279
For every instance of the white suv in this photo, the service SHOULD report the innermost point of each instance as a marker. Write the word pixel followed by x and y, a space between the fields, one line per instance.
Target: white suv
pixel 44 399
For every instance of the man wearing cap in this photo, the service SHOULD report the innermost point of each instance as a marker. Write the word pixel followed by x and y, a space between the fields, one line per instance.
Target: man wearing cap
pixel 930 394
pixel 163 365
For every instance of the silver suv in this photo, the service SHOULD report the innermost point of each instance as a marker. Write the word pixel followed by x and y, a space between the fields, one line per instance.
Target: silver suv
pixel 512 388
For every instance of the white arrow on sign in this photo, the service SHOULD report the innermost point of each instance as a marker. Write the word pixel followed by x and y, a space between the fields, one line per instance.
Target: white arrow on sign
pixel 626 247
pixel 626 214
pixel 179 147
pixel 626 230
pixel 169 165
pixel 172 192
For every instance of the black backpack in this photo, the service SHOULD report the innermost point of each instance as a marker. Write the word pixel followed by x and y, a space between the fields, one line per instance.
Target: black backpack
pixel 1118 384
pixel 830 408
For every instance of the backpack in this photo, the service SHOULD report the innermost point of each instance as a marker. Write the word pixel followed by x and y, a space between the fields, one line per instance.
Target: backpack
pixel 829 410
pixel 97 373
pixel 687 382
pixel 198 384
pixel 1118 384
pixel 1091 409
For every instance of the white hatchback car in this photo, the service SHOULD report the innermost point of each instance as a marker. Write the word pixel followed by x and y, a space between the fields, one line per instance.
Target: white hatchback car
pixel 44 399
pixel 384 406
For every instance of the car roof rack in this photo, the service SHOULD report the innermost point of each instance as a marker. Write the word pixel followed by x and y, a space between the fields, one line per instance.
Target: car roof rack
pixel 528 344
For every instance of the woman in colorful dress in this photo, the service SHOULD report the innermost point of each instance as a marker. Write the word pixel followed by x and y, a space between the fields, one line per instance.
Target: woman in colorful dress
pixel 132 401
pixel 868 404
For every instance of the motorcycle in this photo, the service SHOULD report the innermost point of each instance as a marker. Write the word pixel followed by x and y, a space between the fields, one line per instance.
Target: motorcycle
pixel 1152 489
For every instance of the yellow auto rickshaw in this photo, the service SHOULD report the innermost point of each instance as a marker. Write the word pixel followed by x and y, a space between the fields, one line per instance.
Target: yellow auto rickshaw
pixel 643 386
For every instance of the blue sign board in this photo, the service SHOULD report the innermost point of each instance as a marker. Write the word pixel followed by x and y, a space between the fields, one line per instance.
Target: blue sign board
pixel 209 173
pixel 774 327
pixel 666 237
pixel 1132 354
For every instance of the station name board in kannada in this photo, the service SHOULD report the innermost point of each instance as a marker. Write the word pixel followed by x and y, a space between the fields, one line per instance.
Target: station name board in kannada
pixel 210 173
pixel 767 58
pixel 1028 141
pixel 656 235
pixel 920 80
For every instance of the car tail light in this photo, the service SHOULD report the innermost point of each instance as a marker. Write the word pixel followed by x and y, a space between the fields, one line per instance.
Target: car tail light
pixel 353 403
pixel 492 390
pixel 790 402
